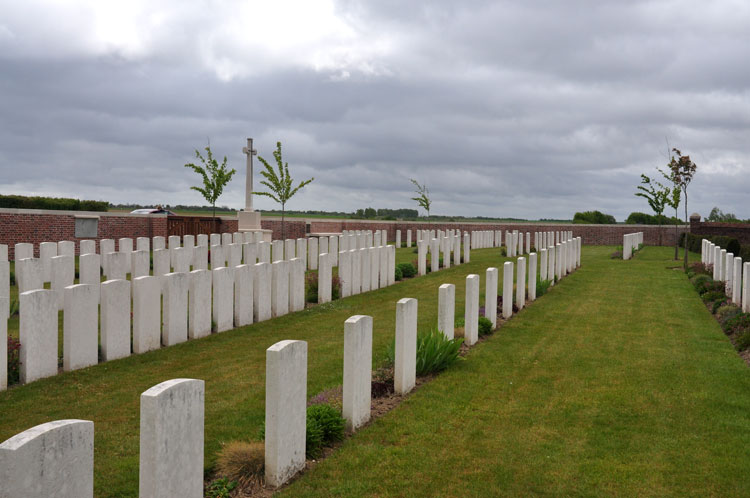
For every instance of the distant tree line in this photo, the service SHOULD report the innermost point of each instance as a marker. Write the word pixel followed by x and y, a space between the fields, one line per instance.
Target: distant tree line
pixel 53 203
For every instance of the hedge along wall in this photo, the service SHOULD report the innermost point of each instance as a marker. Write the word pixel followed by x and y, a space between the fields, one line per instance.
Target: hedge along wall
pixel 739 231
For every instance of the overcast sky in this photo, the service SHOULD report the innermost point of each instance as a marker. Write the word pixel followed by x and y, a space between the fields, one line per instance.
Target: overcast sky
pixel 528 109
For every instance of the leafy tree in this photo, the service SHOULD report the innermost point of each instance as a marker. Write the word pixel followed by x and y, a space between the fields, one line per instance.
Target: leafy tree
pixel 673 201
pixel 279 183
pixel 215 177
pixel 656 194
pixel 718 216
pixel 683 170
pixel 423 196
pixel 594 218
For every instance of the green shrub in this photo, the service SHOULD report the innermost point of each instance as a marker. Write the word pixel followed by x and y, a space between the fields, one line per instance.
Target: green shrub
pixel 700 282
pixel 731 244
pixel 717 304
pixel 737 323
pixel 712 295
pixel 743 340
pixel 542 286
pixel 726 312
pixel 713 286
pixel 435 352
pixel 12 278
pixel 221 488
pixel 398 274
pixel 13 307
pixel 329 420
pixel 408 270
pixel 485 326
pixel 14 360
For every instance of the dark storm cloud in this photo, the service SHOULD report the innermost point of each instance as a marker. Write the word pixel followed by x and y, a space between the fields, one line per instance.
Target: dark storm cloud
pixel 503 108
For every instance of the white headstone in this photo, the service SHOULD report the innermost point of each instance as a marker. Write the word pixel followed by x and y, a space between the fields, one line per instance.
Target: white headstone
pixel 201 240
pixel 66 248
pixel 139 263
pixel 374 267
pixel 507 289
pixel 490 296
pixel 171 450
pixel 158 243
pixel 422 257
pixel 262 291
pixel 277 250
pixel 37 334
pixel 175 312
pixel 280 288
pixel 218 257
pixel 47 250
pixel 532 276
pixel 199 297
pixel 521 283
pixel 324 279
pixel 142 244
pixel 243 295
pixel 200 257
pixel 125 245
pixel 333 250
pixel 345 273
pixel 357 389
pixel 383 259
pixel 29 274
pixel 181 259
pixel 23 250
pixel 80 326
pixel 3 340
pixel 471 310
pixel 162 266
pixel 356 276
pixel 405 366
pixel 63 275
pixel 223 299
pixel 302 251
pixel 286 413
pixel 365 279
pixel 88 246
pixel 52 459
pixel 115 304
pixel 297 284
pixel 146 313
pixel 447 310
pixel 312 253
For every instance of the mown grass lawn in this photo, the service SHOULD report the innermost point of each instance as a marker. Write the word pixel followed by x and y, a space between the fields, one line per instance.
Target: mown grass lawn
pixel 618 383
pixel 233 367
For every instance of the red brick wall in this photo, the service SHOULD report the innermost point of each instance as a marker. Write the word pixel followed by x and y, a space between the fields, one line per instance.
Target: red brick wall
pixel 23 225
pixel 590 234
pixel 740 231
pixel 293 229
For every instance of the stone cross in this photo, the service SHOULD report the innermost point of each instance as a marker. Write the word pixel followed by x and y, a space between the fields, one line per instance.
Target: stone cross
pixel 249 152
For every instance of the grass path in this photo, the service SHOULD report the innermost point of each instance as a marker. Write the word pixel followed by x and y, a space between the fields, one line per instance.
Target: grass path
pixel 619 382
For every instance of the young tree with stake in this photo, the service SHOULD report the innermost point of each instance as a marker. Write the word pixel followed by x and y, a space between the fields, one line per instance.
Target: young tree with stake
pixel 423 196
pixel 656 194
pixel 215 177
pixel 683 170
pixel 279 183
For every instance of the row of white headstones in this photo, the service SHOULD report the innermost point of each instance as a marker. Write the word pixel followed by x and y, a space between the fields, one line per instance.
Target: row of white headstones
pixel 174 304
pixel 36 462
pixel 729 268
pixel 630 243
